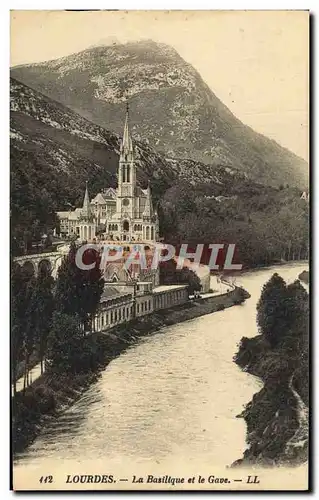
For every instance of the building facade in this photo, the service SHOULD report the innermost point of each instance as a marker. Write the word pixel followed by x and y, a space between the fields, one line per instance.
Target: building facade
pixel 125 214
pixel 119 306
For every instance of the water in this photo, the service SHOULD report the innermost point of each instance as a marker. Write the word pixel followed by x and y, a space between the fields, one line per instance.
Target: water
pixel 172 398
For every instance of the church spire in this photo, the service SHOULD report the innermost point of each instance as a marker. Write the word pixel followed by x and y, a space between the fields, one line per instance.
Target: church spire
pixel 126 146
pixel 86 209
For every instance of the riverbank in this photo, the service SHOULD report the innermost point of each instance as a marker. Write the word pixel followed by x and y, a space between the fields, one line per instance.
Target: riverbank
pixel 277 416
pixel 52 393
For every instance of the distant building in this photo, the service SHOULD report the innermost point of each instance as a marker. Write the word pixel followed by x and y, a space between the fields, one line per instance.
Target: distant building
pixel 124 214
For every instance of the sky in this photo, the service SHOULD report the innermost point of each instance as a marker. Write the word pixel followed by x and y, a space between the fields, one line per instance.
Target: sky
pixel 256 62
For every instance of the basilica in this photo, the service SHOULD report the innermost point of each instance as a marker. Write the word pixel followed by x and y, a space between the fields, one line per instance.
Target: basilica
pixel 122 214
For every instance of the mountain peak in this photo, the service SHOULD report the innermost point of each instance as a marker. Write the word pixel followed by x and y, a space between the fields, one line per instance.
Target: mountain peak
pixel 172 109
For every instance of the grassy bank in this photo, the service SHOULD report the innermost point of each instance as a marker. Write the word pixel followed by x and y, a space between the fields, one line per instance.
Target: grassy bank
pixel 52 393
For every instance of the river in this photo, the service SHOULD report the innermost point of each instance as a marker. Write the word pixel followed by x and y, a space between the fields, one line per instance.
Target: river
pixel 170 399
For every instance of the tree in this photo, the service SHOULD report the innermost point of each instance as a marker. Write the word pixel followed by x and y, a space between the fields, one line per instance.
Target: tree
pixel 78 291
pixel 18 294
pixel 64 342
pixel 296 307
pixel 44 307
pixel 30 324
pixel 271 316
pixel 69 349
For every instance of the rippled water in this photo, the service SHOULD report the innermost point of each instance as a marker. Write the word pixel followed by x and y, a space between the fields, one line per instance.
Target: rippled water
pixel 173 396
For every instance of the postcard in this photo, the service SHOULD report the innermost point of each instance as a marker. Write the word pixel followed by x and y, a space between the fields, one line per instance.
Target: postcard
pixel 159 204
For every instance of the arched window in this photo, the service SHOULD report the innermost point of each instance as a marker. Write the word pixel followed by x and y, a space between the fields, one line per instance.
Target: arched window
pixel 147 234
pixel 126 226
pixel 128 174
pixel 123 173
pixel 152 233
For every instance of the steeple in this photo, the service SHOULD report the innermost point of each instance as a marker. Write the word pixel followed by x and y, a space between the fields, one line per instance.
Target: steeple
pixel 126 146
pixel 86 209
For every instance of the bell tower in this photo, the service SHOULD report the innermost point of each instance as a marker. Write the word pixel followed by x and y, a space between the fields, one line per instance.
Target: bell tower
pixel 87 221
pixel 126 174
